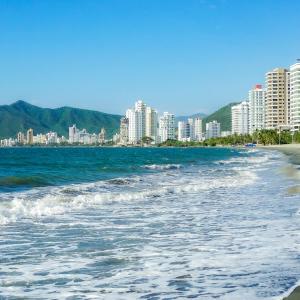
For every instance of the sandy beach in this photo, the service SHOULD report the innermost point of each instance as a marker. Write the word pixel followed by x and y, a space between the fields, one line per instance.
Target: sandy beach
pixel 292 150
pixel 285 147
pixel 295 295
pixel 291 146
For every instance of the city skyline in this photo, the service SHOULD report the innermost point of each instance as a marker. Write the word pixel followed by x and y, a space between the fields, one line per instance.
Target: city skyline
pixel 103 56
pixel 275 106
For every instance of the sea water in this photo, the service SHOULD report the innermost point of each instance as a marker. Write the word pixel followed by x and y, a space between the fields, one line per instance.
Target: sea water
pixel 147 223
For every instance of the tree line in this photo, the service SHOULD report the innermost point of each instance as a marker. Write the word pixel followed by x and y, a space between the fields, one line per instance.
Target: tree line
pixel 262 137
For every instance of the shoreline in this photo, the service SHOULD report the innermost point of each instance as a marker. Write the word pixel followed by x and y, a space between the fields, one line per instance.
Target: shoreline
pixel 281 147
pixel 292 151
pixel 293 293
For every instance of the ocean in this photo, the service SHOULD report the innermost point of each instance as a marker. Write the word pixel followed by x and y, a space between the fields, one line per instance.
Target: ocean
pixel 148 223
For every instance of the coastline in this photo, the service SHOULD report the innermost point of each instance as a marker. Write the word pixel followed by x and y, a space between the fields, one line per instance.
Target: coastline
pixel 283 147
pixel 292 151
pixel 294 294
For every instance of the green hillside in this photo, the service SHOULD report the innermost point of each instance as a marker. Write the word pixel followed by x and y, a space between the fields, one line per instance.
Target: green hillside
pixel 222 115
pixel 21 116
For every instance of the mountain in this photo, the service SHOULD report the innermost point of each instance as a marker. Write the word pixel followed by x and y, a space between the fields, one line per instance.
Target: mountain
pixel 21 116
pixel 185 118
pixel 222 115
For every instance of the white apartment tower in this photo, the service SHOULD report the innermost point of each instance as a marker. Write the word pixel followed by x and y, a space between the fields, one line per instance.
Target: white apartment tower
pixel 240 118
pixel 73 134
pixel 256 101
pixel 213 129
pixel 277 100
pixel 184 131
pixel 295 96
pixel 131 115
pixel 198 129
pixel 140 109
pixel 166 127
pixel 142 121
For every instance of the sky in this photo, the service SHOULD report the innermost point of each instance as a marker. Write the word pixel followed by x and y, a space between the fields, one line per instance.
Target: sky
pixel 181 56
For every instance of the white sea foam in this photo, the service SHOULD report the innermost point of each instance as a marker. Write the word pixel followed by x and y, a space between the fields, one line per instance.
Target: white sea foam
pixel 58 201
pixel 163 167
pixel 267 158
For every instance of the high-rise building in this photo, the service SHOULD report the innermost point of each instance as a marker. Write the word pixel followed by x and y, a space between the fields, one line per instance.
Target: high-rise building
pixel 84 137
pixel 131 116
pixel 166 127
pixel 184 131
pixel 295 96
pixel 20 138
pixel 213 129
pixel 190 130
pixel 101 136
pixel 124 131
pixel 240 118
pixel 198 129
pixel 277 100
pixel 140 109
pixel 136 122
pixel 73 134
pixel 142 122
pixel 151 123
pixel 256 108
pixel 30 136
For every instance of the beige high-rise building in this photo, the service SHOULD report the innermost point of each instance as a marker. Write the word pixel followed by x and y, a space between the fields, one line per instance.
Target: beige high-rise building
pixel 124 131
pixel 30 136
pixel 277 102
pixel 151 123
pixel 295 95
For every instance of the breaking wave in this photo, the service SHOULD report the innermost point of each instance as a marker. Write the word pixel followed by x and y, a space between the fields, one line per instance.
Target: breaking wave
pixel 57 201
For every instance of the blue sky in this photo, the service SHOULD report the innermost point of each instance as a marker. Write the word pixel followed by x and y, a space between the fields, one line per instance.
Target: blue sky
pixel 183 56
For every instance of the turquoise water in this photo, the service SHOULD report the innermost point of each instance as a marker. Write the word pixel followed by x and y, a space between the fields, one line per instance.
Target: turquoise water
pixel 147 223
pixel 24 168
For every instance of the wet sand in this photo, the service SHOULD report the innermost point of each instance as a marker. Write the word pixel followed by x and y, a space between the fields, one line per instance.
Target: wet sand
pixel 295 295
pixel 293 152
